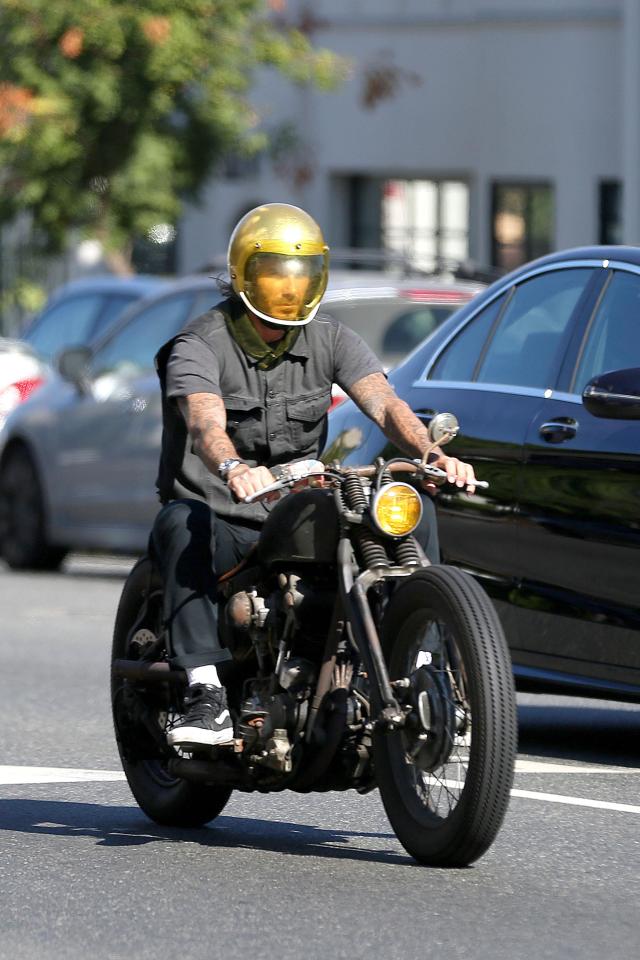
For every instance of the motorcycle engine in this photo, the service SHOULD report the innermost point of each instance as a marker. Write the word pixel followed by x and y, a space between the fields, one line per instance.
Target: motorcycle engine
pixel 274 711
pixel 285 633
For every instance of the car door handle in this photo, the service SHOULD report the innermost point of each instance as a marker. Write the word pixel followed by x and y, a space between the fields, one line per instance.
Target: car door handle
pixel 557 431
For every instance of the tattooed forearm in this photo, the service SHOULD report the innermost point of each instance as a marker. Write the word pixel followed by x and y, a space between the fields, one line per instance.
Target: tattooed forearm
pixel 378 400
pixel 206 420
pixel 373 394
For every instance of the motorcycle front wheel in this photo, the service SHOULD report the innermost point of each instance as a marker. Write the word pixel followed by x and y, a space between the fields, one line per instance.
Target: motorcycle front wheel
pixel 142 713
pixel 445 777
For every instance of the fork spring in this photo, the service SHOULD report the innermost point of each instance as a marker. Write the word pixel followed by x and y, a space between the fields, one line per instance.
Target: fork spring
pixel 372 550
pixel 354 493
pixel 406 552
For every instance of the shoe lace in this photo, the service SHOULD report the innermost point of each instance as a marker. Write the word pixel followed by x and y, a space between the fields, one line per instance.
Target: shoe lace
pixel 201 703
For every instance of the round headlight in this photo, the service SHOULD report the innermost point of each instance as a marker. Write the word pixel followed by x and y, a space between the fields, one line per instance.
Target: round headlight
pixel 397 509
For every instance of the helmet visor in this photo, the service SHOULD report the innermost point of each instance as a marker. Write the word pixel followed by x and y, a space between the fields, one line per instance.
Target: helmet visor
pixel 285 287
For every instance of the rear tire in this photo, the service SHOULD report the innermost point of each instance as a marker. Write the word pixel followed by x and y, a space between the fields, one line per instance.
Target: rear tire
pixel 446 794
pixel 140 714
pixel 23 541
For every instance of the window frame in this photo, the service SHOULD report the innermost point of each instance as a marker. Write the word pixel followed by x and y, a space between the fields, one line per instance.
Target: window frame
pixel 582 333
pixel 100 328
pixel 582 312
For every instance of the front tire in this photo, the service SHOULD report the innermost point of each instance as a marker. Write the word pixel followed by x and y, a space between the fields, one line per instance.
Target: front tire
pixel 445 778
pixel 141 713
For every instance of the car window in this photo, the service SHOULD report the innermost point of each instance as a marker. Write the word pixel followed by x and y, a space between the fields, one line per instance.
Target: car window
pixel 407 330
pixel 65 324
pixel 524 347
pixel 390 326
pixel 131 349
pixel 113 308
pixel 613 338
pixel 459 359
pixel 206 299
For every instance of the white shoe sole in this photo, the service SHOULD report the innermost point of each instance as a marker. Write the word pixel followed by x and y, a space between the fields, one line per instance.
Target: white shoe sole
pixel 186 737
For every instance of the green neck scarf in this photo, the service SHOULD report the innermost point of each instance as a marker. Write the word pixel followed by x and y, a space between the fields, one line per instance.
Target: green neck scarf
pixel 248 338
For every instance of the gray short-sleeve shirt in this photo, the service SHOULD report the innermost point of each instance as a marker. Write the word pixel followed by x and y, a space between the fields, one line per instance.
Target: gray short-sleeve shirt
pixel 273 416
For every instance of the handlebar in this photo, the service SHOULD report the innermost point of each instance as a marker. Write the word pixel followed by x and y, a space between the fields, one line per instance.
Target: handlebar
pixel 293 473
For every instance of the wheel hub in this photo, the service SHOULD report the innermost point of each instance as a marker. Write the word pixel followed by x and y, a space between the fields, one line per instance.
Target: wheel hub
pixel 431 726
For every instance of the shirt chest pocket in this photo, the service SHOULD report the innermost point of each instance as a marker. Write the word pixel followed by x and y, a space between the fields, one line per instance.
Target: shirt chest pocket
pixel 306 418
pixel 245 424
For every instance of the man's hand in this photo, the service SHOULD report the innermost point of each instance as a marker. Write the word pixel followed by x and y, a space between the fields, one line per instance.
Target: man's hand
pixel 457 472
pixel 398 422
pixel 244 481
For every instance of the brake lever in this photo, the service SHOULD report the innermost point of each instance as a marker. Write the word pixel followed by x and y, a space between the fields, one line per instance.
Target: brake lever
pixel 440 476
pixel 289 474
pixel 272 488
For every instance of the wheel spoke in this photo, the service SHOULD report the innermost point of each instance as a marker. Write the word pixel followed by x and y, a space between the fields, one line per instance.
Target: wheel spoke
pixel 440 788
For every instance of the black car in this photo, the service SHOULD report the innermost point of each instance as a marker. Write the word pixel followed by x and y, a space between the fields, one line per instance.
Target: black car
pixel 532 369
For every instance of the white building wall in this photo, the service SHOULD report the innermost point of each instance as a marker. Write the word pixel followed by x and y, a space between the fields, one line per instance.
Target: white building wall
pixel 509 90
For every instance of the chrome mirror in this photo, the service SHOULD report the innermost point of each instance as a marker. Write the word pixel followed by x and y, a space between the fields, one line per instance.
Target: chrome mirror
pixel 443 428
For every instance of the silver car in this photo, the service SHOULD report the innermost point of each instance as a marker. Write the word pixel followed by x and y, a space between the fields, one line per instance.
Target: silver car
pixel 79 459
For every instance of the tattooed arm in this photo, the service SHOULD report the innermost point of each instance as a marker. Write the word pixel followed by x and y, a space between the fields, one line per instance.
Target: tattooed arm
pixel 398 422
pixel 206 420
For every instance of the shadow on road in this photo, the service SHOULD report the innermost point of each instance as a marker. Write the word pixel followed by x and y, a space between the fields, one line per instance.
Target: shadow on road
pixel 592 734
pixel 117 826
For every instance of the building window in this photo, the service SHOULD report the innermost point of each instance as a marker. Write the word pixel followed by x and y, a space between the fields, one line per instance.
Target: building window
pixel 241 166
pixel 425 223
pixel 521 223
pixel 610 212
pixel 156 252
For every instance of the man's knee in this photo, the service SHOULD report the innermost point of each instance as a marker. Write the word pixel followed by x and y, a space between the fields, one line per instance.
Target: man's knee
pixel 180 523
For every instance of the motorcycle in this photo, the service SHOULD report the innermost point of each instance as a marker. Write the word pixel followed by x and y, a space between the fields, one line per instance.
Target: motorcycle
pixel 355 664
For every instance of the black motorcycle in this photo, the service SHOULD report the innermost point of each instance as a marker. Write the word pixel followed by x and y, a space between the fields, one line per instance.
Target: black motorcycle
pixel 356 664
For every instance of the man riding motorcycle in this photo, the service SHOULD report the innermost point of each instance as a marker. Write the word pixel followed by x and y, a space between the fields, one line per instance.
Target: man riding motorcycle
pixel 246 387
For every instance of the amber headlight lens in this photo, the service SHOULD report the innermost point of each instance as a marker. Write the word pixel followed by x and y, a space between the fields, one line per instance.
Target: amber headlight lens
pixel 397 509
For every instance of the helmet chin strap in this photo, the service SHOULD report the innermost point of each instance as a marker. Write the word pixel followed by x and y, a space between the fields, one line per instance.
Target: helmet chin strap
pixel 273 321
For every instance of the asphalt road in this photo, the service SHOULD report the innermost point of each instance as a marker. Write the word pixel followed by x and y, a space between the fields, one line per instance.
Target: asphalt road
pixel 84 874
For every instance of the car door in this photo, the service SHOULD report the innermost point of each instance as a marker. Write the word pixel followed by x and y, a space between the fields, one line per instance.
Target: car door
pixel 100 434
pixel 493 376
pixel 580 508
pixel 145 429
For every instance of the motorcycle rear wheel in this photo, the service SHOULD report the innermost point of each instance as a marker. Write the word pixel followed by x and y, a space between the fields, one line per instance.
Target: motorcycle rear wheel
pixel 166 799
pixel 446 794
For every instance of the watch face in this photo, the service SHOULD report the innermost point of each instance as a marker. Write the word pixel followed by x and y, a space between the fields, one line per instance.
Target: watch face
pixel 226 466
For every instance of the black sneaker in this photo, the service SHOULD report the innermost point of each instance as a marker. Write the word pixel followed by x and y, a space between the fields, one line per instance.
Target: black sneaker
pixel 206 722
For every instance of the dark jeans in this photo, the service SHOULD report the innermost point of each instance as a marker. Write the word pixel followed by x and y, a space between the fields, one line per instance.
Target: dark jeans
pixel 193 547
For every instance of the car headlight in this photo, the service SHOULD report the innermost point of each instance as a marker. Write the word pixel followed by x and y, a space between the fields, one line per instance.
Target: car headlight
pixel 397 509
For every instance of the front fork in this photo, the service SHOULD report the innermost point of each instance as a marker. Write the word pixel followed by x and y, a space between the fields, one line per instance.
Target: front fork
pixel 388 714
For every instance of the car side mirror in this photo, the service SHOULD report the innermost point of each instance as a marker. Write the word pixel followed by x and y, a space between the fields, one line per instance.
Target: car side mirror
pixel 73 366
pixel 614 395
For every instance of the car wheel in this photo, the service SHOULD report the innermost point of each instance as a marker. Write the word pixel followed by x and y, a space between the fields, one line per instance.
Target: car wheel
pixel 23 542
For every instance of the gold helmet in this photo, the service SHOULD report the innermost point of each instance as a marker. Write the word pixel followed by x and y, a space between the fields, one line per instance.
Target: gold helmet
pixel 279 264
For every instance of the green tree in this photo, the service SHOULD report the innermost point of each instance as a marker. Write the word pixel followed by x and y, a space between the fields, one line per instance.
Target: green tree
pixel 113 112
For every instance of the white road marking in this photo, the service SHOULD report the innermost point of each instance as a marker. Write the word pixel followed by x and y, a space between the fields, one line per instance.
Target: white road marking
pixel 541 766
pixel 20 775
pixel 16 775
pixel 575 801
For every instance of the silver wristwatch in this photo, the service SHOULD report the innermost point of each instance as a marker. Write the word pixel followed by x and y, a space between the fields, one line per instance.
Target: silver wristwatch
pixel 225 468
